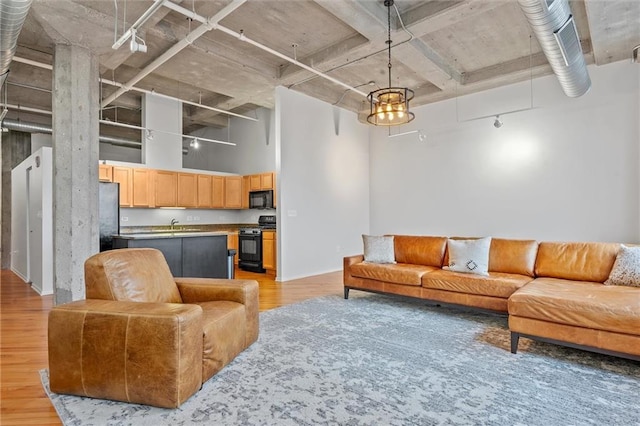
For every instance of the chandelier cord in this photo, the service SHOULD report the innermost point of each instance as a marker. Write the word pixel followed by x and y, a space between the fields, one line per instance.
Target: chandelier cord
pixel 388 4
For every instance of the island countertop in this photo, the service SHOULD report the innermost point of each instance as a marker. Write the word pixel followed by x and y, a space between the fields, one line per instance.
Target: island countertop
pixel 177 234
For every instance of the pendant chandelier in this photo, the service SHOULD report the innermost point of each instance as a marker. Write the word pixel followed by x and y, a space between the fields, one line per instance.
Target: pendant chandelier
pixel 390 106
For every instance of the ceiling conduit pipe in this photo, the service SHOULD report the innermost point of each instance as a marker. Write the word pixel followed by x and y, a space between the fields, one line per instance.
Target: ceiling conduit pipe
pixel 23 126
pixel 12 16
pixel 174 50
pixel 555 29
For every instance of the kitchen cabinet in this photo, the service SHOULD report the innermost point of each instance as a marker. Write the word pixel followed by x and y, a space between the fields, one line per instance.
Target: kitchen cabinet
pixel 124 176
pixel 218 192
pixel 187 190
pixel 204 257
pixel 199 256
pixel 233 192
pixel 269 250
pixel 166 188
pixel 245 191
pixel 204 191
pixel 142 193
pixel 105 173
pixel 232 243
pixel 255 182
pixel 262 181
pixel 267 181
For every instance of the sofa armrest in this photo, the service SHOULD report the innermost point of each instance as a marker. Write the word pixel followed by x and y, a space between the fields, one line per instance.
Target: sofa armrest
pixel 146 353
pixel 246 292
pixel 347 278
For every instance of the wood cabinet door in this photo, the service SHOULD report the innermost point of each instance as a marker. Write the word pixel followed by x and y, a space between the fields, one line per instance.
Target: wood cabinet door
pixel 245 191
pixel 255 182
pixel 204 191
pixel 232 243
pixel 268 250
pixel 123 176
pixel 187 190
pixel 166 188
pixel 142 194
pixel 233 192
pixel 218 192
pixel 105 173
pixel 267 181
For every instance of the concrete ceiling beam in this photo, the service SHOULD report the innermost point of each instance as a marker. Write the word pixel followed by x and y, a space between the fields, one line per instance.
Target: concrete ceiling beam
pixel 614 28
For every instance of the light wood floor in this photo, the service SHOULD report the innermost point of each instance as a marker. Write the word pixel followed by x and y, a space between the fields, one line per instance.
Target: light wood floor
pixel 23 338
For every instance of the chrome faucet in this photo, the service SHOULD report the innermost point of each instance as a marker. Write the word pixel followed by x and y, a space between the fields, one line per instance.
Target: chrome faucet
pixel 173 222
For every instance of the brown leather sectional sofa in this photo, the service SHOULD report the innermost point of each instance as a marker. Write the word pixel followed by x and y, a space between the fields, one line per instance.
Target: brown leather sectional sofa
pixel 552 291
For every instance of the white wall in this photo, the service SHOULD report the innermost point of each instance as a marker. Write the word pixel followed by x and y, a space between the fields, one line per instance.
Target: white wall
pixel 164 116
pixel 567 170
pixel 254 151
pixel 323 184
pixel 32 221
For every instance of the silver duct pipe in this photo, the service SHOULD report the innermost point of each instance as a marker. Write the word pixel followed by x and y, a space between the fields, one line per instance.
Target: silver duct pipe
pixel 21 126
pixel 12 16
pixel 553 25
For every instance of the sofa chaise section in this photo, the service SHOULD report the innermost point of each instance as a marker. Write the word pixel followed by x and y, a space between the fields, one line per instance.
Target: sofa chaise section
pixel 568 303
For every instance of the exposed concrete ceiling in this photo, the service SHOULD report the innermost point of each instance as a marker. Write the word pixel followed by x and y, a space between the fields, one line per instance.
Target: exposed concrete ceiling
pixel 445 49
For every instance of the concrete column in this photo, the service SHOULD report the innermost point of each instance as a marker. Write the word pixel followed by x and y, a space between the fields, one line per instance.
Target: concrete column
pixel 16 147
pixel 75 168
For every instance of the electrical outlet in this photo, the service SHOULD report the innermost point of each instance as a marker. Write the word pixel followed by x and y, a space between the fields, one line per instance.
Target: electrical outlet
pixel 124 219
pixel 292 213
pixel 338 248
pixel 196 218
pixel 189 218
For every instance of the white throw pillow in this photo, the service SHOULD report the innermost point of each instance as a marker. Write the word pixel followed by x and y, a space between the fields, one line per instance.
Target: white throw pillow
pixel 626 269
pixel 469 256
pixel 378 249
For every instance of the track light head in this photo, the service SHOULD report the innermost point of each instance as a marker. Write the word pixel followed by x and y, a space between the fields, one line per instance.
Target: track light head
pixel 497 123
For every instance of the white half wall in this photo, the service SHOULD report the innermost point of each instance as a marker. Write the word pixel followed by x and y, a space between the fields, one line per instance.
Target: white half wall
pixel 32 220
pixel 566 170
pixel 323 186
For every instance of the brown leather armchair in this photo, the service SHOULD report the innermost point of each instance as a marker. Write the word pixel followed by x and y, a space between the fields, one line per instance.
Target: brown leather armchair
pixel 143 336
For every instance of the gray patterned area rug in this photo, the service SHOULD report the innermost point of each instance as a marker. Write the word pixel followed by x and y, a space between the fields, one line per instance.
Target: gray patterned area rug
pixel 380 360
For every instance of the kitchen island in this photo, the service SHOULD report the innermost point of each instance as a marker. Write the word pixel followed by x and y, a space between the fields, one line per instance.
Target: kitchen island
pixel 188 254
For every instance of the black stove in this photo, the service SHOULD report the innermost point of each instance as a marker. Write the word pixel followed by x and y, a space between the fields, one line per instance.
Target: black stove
pixel 250 244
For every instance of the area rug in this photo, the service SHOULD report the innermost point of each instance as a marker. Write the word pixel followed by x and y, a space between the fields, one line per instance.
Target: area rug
pixel 381 360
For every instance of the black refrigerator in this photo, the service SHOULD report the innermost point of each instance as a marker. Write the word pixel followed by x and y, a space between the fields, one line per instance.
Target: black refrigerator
pixel 109 213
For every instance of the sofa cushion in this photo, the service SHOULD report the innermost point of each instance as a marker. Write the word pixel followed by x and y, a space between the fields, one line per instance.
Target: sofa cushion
pixel 496 284
pixel 513 256
pixel 576 261
pixel 224 325
pixel 626 269
pixel 579 303
pixel 378 249
pixel 469 256
pixel 399 273
pixel 419 250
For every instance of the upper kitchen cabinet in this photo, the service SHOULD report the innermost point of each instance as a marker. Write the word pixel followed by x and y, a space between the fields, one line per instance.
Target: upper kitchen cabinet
pixel 105 173
pixel 246 184
pixel 166 188
pixel 205 191
pixel 124 176
pixel 261 181
pixel 218 192
pixel 142 189
pixel 233 192
pixel 187 190
pixel 267 181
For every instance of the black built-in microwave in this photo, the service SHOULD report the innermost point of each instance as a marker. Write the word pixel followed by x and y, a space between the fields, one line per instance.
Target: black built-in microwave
pixel 261 199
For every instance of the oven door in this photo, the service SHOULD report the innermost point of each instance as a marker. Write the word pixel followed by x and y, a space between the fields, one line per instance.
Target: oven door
pixel 250 252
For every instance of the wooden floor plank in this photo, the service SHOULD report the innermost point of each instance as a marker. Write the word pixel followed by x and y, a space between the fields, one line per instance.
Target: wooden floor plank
pixel 23 338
